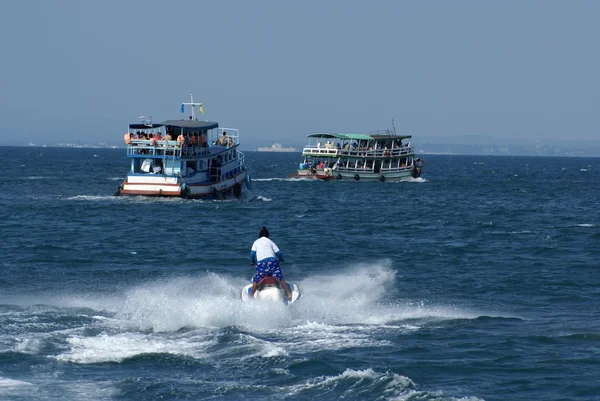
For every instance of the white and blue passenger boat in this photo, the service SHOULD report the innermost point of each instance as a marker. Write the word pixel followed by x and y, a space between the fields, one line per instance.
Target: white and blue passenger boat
pixel 379 155
pixel 184 158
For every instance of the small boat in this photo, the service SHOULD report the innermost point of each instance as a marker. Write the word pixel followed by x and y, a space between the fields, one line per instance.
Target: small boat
pixel 314 174
pixel 271 289
pixel 276 147
pixel 380 155
pixel 184 158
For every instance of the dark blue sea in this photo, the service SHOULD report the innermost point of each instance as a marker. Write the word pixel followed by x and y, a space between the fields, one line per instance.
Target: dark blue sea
pixel 478 281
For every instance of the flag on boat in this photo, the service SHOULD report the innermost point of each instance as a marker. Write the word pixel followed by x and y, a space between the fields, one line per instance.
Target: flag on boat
pixel 201 109
pixel 146 120
pixel 182 107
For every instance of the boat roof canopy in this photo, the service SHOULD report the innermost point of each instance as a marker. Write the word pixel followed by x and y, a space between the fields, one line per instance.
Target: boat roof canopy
pixel 354 136
pixel 357 137
pixel 321 135
pixel 192 124
pixel 144 126
pixel 376 137
pixel 339 136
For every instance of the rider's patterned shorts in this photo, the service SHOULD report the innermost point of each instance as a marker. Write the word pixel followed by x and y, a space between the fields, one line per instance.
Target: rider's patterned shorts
pixel 267 267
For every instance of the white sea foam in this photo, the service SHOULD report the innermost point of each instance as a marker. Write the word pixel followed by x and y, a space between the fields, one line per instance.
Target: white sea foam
pixel 263 198
pixel 397 387
pixel 92 197
pixel 117 347
pixel 6 383
pixel 269 179
pixel 344 310
pixel 411 179
pixel 15 388
pixel 357 295
pixel 360 383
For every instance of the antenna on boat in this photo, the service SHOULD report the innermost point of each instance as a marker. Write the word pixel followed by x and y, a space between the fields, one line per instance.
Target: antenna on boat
pixel 393 126
pixel 191 103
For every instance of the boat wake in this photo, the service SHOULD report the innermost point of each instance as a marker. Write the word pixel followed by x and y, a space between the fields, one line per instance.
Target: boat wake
pixel 201 317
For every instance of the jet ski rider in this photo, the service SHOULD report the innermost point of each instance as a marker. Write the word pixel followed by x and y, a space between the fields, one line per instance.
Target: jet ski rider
pixel 266 256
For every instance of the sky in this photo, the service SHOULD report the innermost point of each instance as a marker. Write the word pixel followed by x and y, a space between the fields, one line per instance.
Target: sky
pixel 79 70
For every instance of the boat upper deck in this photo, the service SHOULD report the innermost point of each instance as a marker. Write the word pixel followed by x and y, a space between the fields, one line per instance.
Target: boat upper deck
pixel 185 139
pixel 379 144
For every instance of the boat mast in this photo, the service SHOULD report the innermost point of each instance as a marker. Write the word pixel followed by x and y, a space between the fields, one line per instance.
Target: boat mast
pixel 393 126
pixel 191 103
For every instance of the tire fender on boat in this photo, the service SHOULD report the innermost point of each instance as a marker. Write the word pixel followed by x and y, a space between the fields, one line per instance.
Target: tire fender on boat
pixel 248 181
pixel 185 190
pixel 356 177
pixel 382 178
pixel 339 176
pixel 237 189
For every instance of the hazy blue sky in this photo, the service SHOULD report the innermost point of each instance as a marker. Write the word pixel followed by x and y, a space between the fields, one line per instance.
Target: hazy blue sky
pixel 279 70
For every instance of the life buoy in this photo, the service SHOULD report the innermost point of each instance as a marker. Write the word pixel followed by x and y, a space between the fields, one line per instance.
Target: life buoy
pixel 356 177
pixel 382 178
pixel 339 176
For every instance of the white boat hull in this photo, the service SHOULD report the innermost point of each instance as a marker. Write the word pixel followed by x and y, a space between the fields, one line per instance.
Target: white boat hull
pixel 158 185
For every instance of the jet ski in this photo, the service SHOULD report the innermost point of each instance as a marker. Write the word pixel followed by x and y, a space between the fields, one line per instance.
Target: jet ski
pixel 271 289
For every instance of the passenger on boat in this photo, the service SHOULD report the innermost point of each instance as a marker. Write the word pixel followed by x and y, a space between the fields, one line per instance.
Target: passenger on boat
pixel 265 255
pixel 418 164
pixel 180 139
pixel 128 137
pixel 223 139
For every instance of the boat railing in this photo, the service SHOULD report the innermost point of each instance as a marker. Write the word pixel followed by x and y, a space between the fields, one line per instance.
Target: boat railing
pixel 320 151
pixel 377 153
pixel 145 147
pixel 226 171
pixel 232 136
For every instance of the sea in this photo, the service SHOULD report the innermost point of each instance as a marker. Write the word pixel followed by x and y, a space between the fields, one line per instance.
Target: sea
pixel 480 280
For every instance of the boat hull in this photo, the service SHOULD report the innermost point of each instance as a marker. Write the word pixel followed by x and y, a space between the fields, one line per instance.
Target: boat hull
pixel 173 186
pixel 403 175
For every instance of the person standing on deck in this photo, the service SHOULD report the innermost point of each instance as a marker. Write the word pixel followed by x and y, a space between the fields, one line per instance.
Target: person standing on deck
pixel 266 256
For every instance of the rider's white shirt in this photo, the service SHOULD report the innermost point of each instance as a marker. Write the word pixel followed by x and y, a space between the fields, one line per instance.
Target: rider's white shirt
pixel 264 248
